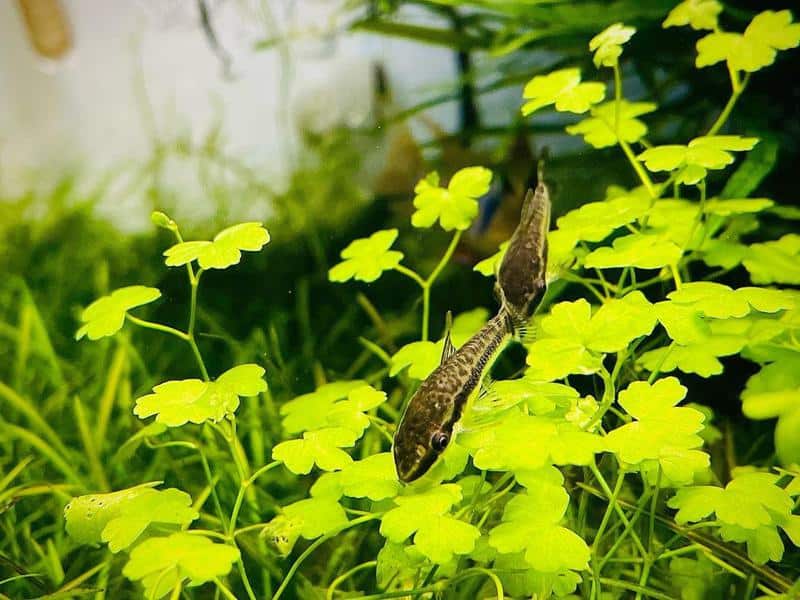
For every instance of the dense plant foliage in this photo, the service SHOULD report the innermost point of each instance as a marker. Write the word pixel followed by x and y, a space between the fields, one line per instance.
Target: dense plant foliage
pixel 588 474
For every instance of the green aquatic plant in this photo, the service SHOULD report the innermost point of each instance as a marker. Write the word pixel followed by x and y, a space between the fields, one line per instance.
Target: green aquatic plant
pixel 594 472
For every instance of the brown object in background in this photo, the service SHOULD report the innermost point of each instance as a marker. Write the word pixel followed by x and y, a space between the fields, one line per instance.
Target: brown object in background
pixel 47 26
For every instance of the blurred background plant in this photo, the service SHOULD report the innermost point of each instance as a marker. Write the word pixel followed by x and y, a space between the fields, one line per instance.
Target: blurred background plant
pixel 316 118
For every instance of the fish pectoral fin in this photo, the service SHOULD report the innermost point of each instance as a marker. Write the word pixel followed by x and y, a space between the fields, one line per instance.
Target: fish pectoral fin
pixel 486 388
pixel 449 349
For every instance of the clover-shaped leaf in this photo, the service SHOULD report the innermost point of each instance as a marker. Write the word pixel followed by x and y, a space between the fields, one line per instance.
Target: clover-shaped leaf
pixel 599 130
pixel 595 221
pixel 571 337
pixel 699 14
pixel 454 206
pixel 176 403
pixel 564 89
pixel 120 518
pixel 437 535
pixel 644 251
pixel 365 259
pixel 373 477
pixel 225 250
pixel 105 316
pixel 530 524
pixel 161 563
pixel 756 48
pixel 607 45
pixel 775 392
pixel 775 262
pixel 750 508
pixel 662 432
pixel 694 159
pixel 309 519
pixel 322 447
pixel 505 445
pixel 337 404
pixel 722 302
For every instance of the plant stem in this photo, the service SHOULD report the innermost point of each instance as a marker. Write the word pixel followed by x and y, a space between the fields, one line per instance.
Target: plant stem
pixel 600 531
pixel 346 575
pixel 643 176
pixel 242 489
pixel 426 284
pixel 157 327
pixel 313 546
pixel 737 87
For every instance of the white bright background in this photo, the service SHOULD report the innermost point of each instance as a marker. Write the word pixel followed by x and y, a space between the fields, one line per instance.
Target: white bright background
pixel 88 114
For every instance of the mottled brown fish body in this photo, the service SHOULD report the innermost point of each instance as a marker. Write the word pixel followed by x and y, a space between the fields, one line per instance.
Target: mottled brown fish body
pixel 522 276
pixel 431 416
pixel 439 402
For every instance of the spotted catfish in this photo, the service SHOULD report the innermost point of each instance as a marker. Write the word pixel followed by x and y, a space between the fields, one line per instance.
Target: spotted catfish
pixel 431 417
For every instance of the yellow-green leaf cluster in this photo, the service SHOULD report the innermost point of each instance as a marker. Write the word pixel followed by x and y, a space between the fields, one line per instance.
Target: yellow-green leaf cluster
pixel 176 403
pixel 223 251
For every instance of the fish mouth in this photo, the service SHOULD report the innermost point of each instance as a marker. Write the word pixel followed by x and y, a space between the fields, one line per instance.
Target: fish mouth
pixel 409 473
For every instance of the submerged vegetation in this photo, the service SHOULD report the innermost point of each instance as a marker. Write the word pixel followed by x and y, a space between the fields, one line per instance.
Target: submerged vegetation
pixel 195 458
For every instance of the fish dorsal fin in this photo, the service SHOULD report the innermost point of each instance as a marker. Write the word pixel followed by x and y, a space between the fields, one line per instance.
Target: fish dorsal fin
pixel 448 349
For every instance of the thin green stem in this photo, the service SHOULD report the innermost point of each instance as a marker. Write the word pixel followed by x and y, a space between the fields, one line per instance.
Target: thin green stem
pixel 312 547
pixel 640 172
pixel 157 327
pixel 410 274
pixel 617 508
pixel 600 531
pixel 737 87
pixel 347 575
pixel 246 483
pixel 224 589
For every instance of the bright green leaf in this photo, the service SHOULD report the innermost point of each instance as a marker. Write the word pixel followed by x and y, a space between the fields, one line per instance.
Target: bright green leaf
pixel 120 518
pixel 224 251
pixel 750 507
pixel 310 411
pixel 161 562
pixel 700 14
pixel 768 32
pixel 775 262
pixel 176 403
pixel 505 445
pixel 702 153
pixel 595 221
pixel 373 477
pixel 599 130
pixel 455 206
pixel 555 358
pixel 530 523
pixel 322 447
pixel 437 535
pixel 564 89
pixel 635 250
pixel 366 258
pixel 619 322
pixel 662 431
pixel 105 316
pixel 607 45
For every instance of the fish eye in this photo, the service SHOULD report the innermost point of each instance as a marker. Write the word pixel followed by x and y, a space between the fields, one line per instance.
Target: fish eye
pixel 439 441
